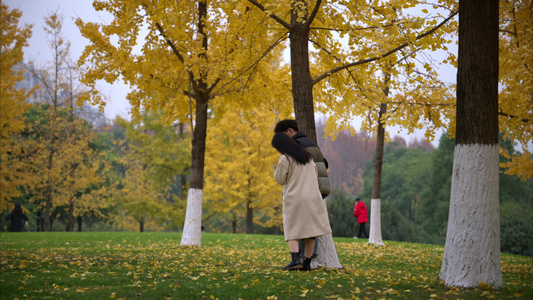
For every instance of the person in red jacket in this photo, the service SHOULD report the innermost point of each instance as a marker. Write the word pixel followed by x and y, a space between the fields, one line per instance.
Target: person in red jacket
pixel 361 213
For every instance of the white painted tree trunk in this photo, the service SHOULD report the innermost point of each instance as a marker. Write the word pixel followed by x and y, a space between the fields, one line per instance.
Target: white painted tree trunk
pixel 327 253
pixel 472 250
pixel 192 229
pixel 375 223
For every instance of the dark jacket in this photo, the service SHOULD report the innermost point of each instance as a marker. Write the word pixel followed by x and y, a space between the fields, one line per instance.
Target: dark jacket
pixel 17 218
pixel 318 158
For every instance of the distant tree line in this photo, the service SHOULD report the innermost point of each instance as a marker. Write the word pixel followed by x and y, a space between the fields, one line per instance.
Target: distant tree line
pixel 416 193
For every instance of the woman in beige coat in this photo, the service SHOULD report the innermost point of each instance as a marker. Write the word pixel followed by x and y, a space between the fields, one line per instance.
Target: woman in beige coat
pixel 304 212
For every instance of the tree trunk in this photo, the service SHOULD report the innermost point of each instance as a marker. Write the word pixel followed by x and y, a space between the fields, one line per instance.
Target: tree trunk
pixel 302 93
pixel 70 225
pixel 249 218
pixel 302 85
pixel 40 220
pixel 52 219
pixel 472 249
pixel 49 190
pixel 234 224
pixel 327 253
pixel 375 206
pixel 80 223
pixel 192 230
pixel 141 226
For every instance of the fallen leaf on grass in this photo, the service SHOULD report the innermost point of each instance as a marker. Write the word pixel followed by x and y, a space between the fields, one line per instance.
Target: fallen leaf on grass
pixel 304 293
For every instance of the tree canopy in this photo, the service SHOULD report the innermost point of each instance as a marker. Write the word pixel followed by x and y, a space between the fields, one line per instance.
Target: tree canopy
pixel 13 106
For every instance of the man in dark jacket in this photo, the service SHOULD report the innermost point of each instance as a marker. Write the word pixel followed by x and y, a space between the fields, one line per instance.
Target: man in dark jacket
pixel 290 127
pixel 17 218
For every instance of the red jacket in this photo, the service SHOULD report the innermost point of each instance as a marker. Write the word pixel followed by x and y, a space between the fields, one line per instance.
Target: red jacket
pixel 360 212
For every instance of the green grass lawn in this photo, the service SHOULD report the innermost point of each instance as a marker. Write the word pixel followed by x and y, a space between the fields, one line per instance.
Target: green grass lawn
pixel 128 265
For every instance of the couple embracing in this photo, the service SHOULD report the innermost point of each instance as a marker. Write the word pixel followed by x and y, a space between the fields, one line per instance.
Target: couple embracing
pixel 304 212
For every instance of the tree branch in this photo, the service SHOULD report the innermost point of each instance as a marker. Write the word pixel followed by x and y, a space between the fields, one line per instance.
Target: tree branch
pixel 313 15
pixel 273 16
pixel 176 52
pixel 169 43
pixel 500 113
pixel 281 39
pixel 422 104
pixel 368 60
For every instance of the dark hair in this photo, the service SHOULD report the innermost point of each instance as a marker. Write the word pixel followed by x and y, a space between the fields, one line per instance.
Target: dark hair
pixel 18 209
pixel 285 145
pixel 284 125
pixel 357 199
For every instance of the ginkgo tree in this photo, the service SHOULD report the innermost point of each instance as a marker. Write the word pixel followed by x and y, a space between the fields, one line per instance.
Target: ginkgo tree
pixel 177 56
pixel 164 150
pixel 56 143
pixel 13 38
pixel 472 249
pixel 240 161
pixel 348 40
pixel 373 31
pixel 138 203
pixel 153 156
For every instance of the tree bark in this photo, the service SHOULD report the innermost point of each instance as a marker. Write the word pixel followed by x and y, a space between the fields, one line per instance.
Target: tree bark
pixel 375 206
pixel 302 85
pixel 70 226
pixel 192 229
pixel 49 190
pixel 80 223
pixel 327 253
pixel 472 249
pixel 302 93
pixel 249 218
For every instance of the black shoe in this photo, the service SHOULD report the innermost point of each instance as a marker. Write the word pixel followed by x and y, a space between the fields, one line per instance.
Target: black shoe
pixel 306 266
pixel 295 264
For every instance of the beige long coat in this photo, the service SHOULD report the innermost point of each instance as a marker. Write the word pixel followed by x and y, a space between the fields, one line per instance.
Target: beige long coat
pixel 304 211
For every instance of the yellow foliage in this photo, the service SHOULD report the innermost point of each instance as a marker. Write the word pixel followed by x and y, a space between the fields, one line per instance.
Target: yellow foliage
pixel 240 164
pixel 153 156
pixel 521 165
pixel 166 60
pixel 240 161
pixel 12 101
pixel 516 81
pixel 60 166
pixel 382 47
pixel 139 203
